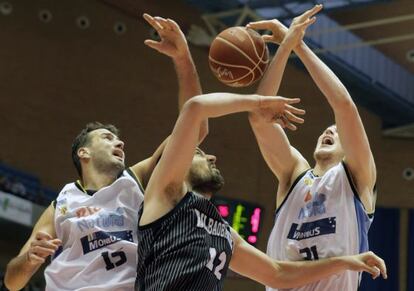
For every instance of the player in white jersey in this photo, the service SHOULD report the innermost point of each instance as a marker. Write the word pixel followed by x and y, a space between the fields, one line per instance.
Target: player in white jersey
pixel 94 220
pixel 184 244
pixel 325 211
pixel 180 247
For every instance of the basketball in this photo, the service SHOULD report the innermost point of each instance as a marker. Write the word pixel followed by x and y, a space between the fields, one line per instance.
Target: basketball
pixel 238 56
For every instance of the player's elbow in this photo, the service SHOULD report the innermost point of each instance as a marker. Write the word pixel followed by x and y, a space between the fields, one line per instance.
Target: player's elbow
pixel 195 107
pixel 344 101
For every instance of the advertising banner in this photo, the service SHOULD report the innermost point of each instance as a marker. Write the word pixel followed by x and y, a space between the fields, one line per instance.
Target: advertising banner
pixel 15 209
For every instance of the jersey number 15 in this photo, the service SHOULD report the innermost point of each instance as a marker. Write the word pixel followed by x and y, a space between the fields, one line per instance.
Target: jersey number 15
pixel 110 264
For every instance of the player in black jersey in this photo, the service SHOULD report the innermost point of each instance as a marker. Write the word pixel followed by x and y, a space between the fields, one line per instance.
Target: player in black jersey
pixel 99 158
pixel 184 244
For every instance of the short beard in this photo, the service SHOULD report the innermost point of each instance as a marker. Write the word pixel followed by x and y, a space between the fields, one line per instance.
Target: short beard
pixel 206 184
pixel 110 169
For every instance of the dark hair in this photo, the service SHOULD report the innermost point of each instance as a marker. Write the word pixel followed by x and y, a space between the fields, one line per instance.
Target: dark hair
pixel 83 139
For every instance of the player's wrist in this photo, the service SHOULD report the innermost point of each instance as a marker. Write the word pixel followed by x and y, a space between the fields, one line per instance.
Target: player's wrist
pixel 300 48
pixel 259 102
pixel 183 57
pixel 342 263
pixel 286 46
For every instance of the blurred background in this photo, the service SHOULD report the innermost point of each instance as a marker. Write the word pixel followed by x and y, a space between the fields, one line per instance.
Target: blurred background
pixel 65 63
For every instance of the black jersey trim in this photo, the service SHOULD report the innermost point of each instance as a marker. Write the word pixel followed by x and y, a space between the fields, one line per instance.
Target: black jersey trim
pixel 351 181
pixel 135 177
pixel 160 220
pixel 79 185
pixel 354 190
pixel 290 190
pixel 54 203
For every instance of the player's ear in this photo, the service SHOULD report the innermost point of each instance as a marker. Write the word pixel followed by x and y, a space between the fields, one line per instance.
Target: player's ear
pixel 84 153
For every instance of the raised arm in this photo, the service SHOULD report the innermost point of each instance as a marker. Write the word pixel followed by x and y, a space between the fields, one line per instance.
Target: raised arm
pixel 166 186
pixel 358 155
pixel 41 244
pixel 246 260
pixel 285 161
pixel 354 140
pixel 174 45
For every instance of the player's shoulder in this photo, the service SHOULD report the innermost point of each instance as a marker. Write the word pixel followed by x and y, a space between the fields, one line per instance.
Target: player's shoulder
pixel 130 173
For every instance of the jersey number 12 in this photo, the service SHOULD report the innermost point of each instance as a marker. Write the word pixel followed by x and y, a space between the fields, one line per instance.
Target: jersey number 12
pixel 216 269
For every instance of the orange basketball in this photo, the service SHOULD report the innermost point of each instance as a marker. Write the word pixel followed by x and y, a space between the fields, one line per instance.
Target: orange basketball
pixel 238 56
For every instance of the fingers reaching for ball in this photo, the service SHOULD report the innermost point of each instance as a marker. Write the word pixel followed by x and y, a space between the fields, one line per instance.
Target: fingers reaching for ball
pixel 172 40
pixel 279 110
pixel 298 27
pixel 277 29
pixel 281 34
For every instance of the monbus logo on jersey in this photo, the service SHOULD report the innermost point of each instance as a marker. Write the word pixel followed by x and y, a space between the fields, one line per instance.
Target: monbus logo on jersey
pixel 312 229
pixel 101 239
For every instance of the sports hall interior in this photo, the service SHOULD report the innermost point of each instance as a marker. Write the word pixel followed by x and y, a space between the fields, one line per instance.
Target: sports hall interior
pixel 65 63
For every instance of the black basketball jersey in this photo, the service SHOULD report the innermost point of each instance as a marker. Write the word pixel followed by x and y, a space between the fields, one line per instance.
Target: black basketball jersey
pixel 187 249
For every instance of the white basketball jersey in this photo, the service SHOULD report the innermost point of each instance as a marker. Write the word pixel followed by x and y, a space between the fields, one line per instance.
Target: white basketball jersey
pixel 99 250
pixel 321 217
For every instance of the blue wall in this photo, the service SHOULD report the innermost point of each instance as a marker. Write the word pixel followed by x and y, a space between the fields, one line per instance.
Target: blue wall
pixel 384 241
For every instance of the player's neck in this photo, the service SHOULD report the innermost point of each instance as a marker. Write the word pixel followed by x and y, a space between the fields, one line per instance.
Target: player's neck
pixel 323 165
pixel 207 195
pixel 92 180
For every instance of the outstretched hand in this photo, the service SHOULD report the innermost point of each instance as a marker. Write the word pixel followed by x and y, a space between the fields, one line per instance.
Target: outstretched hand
pixel 297 28
pixel 370 263
pixel 277 28
pixel 173 42
pixel 281 34
pixel 279 110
